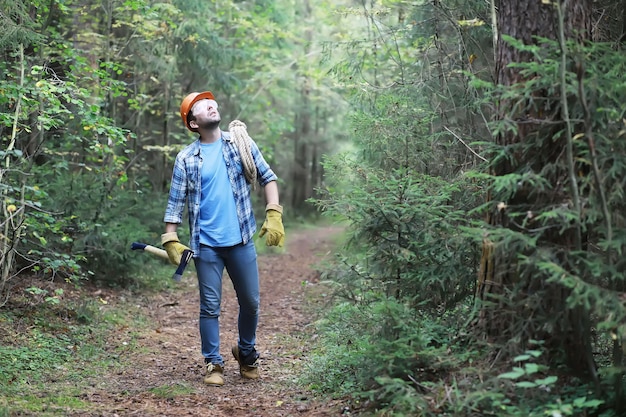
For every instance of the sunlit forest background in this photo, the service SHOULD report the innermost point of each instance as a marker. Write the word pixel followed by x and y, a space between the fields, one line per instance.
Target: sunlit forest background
pixel 475 152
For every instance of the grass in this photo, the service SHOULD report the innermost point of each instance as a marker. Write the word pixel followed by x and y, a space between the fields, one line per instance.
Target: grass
pixel 51 353
pixel 172 391
pixel 52 405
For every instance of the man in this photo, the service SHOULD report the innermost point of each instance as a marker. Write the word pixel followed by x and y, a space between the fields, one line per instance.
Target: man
pixel 212 176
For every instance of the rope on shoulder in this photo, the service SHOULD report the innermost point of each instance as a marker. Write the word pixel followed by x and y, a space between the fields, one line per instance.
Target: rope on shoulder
pixel 239 134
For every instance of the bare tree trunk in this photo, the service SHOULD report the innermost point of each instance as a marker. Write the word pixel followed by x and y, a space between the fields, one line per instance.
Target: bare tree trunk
pixel 301 179
pixel 165 173
pixel 12 215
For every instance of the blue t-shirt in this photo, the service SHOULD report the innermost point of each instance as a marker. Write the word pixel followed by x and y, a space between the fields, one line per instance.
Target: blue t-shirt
pixel 219 224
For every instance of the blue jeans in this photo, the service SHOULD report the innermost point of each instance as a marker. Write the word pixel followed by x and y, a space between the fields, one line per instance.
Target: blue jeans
pixel 240 262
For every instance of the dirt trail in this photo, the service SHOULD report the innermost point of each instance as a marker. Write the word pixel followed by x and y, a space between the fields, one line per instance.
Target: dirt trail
pixel 166 376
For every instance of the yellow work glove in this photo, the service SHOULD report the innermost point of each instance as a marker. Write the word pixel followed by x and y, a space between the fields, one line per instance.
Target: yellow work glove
pixel 273 226
pixel 173 247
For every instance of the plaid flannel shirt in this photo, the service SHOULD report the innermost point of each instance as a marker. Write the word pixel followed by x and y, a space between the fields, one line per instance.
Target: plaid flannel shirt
pixel 186 186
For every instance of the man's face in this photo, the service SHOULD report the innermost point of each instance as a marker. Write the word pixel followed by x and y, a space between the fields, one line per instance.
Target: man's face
pixel 205 114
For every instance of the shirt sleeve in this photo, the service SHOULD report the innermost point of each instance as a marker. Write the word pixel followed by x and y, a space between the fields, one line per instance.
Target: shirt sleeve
pixel 178 193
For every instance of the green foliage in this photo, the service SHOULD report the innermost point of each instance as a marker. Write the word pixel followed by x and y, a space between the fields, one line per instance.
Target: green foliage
pixel 404 192
pixel 425 369
pixel 17 24
pixel 563 237
pixel 70 182
pixel 89 123
pixel 405 209
pixel 364 348
pixel 42 343
pixel 556 227
pixel 407 236
pixel 535 392
pixel 48 298
pixel 341 353
pixel 46 351
pixel 601 267
pixel 23 365
pixel 60 135
pixel 102 229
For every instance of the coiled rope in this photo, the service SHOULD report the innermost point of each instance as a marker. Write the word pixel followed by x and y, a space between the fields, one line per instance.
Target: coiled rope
pixel 239 134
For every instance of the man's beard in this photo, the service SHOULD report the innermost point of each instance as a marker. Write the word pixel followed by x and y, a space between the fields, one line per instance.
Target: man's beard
pixel 210 124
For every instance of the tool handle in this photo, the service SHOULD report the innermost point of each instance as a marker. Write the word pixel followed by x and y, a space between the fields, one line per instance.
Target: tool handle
pixel 137 246
pixel 184 258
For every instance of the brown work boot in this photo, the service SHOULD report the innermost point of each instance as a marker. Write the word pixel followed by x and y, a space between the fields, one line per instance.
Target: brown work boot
pixel 214 374
pixel 249 366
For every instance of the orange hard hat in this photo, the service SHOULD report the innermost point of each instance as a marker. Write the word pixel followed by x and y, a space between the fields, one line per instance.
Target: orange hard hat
pixel 188 103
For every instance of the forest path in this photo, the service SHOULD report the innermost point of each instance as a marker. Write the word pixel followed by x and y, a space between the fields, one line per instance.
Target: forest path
pixel 163 372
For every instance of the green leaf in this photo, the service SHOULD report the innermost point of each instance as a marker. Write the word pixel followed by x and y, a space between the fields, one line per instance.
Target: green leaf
pixel 525 384
pixel 516 373
pixel 531 368
pixel 546 381
pixel 593 403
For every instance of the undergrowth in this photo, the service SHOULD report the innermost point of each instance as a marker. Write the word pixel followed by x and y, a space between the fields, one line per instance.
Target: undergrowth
pixel 430 367
pixel 53 349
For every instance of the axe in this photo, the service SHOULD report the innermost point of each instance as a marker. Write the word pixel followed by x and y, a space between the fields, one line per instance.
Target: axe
pixel 184 259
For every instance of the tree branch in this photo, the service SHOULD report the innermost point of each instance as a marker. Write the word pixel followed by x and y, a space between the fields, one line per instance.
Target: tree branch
pixel 465 144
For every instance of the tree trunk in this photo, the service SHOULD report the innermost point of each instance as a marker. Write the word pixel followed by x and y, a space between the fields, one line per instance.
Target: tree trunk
pixel 301 179
pixel 300 176
pixel 539 120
